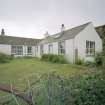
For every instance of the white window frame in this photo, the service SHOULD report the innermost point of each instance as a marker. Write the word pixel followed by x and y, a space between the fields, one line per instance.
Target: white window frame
pixel 29 50
pixel 50 47
pixel 61 47
pixel 37 48
pixel 16 50
pixel 90 48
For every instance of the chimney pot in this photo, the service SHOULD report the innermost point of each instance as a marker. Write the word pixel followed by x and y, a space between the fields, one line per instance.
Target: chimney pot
pixel 46 34
pixel 62 28
pixel 2 32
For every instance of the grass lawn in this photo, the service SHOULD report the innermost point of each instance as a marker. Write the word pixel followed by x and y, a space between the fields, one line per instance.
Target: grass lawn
pixel 17 71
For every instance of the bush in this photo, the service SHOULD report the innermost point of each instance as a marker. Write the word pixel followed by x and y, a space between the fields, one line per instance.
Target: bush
pixel 88 91
pixel 104 62
pixel 62 59
pixel 54 58
pixel 5 58
pixel 85 89
pixel 50 57
pixel 45 57
pixel 79 62
pixel 99 59
pixel 90 63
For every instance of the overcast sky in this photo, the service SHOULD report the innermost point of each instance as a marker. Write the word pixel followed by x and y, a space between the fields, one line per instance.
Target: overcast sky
pixel 32 18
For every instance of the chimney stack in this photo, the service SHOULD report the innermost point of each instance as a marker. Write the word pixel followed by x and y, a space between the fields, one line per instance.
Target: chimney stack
pixel 2 32
pixel 46 34
pixel 62 28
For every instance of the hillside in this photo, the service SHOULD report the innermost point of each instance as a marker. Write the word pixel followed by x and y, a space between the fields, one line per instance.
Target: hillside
pixel 101 30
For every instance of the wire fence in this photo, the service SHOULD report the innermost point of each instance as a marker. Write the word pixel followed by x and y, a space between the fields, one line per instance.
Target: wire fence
pixel 45 89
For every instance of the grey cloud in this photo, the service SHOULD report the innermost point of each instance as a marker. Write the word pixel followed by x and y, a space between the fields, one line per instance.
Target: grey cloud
pixel 33 17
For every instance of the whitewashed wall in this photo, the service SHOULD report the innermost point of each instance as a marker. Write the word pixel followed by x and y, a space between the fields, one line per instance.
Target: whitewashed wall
pixel 89 33
pixel 69 50
pixel 38 51
pixel 45 48
pixel 24 50
pixel 5 49
pixel 33 51
pixel 55 48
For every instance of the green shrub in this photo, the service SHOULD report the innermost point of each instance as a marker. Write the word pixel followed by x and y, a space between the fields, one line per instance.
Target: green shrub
pixel 90 63
pixel 5 58
pixel 54 58
pixel 85 89
pixel 50 57
pixel 62 59
pixel 104 62
pixel 99 59
pixel 88 91
pixel 45 57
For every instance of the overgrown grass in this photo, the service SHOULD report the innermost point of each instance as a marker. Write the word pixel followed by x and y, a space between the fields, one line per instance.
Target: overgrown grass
pixel 86 89
pixel 19 69
pixel 77 80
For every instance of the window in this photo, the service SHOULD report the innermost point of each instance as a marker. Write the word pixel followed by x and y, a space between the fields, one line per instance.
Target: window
pixel 16 50
pixel 50 48
pixel 41 49
pixel 61 47
pixel 90 48
pixel 29 50
pixel 37 48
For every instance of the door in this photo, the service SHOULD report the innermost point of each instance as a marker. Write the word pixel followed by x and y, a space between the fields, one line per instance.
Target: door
pixel 76 55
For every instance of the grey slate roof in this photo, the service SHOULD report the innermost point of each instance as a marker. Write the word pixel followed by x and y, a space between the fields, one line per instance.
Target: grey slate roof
pixel 10 40
pixel 67 34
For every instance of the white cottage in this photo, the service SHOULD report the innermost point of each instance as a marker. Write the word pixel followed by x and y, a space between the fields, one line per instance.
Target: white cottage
pixel 81 42
pixel 18 46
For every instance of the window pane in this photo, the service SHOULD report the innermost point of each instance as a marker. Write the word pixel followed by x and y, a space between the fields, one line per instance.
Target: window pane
pixel 13 49
pixel 50 48
pixel 29 50
pixel 87 44
pixel 19 50
pixel 16 50
pixel 61 46
pixel 90 48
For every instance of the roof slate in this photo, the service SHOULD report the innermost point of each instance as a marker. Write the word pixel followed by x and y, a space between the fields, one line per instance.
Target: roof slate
pixel 10 40
pixel 67 34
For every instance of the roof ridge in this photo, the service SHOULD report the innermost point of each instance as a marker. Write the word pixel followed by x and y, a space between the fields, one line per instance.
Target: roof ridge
pixel 73 28
pixel 79 25
pixel 18 37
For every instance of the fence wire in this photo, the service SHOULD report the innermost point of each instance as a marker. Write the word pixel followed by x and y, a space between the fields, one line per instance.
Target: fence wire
pixel 47 89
